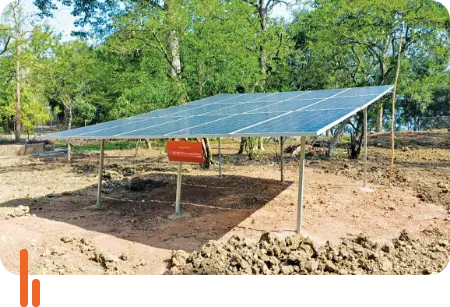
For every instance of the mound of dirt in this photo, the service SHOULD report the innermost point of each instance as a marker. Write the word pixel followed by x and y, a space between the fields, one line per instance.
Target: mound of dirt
pixel 356 254
pixel 140 183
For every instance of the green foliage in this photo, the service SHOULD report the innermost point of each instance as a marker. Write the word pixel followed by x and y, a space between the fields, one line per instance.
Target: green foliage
pixel 110 145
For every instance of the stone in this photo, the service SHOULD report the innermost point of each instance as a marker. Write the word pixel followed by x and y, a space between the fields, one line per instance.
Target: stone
pixel 124 256
pixel 294 241
pixel 111 175
pixel 67 239
pixel 269 238
pixel 287 269
pixel 19 211
pixel 442 185
pixel 175 270
pixel 128 172
pixel 179 257
pixel 385 265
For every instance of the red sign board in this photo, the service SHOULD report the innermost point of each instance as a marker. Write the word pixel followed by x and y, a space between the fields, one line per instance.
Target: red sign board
pixel 183 151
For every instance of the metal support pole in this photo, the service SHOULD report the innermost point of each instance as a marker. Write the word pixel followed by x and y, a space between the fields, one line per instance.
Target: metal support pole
pixel 177 203
pixel 365 147
pixel 100 175
pixel 220 158
pixel 300 185
pixel 281 158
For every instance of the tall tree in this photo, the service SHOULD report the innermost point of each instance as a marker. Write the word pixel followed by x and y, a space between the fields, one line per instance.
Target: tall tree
pixel 345 43
pixel 14 26
pixel 356 42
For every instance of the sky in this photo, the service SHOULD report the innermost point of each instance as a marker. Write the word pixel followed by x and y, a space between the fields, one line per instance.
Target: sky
pixel 63 20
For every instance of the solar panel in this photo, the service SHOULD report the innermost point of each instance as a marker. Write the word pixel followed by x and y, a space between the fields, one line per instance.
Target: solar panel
pixel 253 114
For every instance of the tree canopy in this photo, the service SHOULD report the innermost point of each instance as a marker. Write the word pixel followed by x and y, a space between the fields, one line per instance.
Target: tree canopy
pixel 134 56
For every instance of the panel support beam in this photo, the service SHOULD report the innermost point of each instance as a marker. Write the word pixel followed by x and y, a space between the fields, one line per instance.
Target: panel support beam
pixel 100 175
pixel 365 147
pixel 300 185
pixel 220 158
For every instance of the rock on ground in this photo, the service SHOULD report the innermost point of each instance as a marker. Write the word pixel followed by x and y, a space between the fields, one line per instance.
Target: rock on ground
pixel 19 211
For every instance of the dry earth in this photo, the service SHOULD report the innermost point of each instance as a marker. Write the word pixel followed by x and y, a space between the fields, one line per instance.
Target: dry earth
pixel 132 235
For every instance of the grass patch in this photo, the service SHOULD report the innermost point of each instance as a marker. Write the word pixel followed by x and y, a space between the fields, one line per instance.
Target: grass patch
pixel 113 145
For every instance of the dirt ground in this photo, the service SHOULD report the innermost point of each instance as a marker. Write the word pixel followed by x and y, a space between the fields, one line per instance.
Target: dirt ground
pixel 64 234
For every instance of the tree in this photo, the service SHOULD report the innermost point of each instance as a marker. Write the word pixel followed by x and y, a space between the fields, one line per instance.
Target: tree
pixel 16 37
pixel 70 77
pixel 441 103
pixel 23 40
pixel 355 43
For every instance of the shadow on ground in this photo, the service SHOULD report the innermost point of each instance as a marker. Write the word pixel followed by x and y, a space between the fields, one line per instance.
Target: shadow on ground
pixel 216 205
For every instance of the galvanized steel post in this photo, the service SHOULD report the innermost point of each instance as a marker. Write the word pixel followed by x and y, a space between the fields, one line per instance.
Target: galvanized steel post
pixel 365 147
pixel 100 175
pixel 281 158
pixel 177 203
pixel 220 158
pixel 300 185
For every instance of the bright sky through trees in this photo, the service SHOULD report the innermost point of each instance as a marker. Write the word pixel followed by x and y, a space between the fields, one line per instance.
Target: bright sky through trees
pixel 63 20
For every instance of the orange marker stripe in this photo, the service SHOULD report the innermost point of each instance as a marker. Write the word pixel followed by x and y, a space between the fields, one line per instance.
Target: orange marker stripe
pixel 23 278
pixel 36 293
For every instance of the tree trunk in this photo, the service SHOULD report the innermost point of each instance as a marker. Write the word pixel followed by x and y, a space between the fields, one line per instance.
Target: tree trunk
pixel 149 145
pixel 138 147
pixel 337 135
pixel 379 127
pixel 66 117
pixel 207 154
pixel 70 117
pixel 262 59
pixel 172 8
pixel 18 129
pixel 356 138
pixel 174 48
pixel 261 144
pixel 262 48
pixel 242 145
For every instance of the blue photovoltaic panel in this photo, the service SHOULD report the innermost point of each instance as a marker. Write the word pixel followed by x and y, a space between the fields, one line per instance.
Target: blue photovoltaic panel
pixel 172 111
pixel 102 126
pixel 322 94
pixel 286 106
pixel 369 90
pixel 144 123
pixel 174 125
pixel 227 125
pixel 282 96
pixel 199 110
pixel 244 107
pixel 221 98
pixel 341 103
pixel 295 121
pixel 254 114
pixel 244 98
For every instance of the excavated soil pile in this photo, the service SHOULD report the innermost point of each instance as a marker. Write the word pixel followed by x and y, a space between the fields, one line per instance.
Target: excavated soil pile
pixel 356 254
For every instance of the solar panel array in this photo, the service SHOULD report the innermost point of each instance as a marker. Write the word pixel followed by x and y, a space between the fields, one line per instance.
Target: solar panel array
pixel 305 113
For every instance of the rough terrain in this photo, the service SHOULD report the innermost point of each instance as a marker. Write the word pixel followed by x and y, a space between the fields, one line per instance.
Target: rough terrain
pixel 299 255
pixel 47 206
